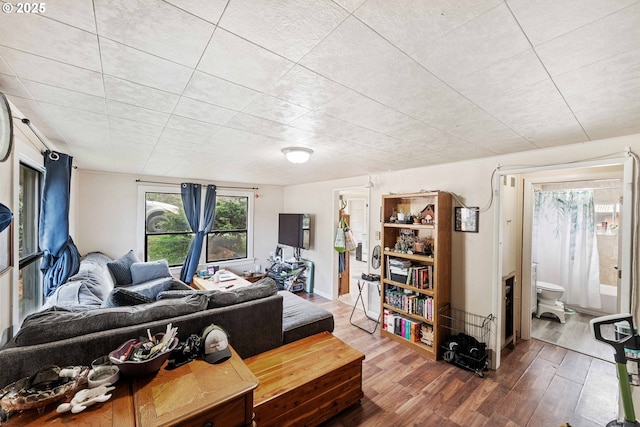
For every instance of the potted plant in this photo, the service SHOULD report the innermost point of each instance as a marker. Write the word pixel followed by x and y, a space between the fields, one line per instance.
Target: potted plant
pixel 417 218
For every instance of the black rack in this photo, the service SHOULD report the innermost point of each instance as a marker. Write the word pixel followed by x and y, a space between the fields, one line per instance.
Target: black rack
pixel 464 339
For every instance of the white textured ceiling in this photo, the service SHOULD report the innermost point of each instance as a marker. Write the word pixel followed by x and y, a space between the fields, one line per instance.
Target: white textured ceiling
pixel 214 89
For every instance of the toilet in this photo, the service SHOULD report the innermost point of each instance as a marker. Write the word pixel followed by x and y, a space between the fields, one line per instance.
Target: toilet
pixel 548 299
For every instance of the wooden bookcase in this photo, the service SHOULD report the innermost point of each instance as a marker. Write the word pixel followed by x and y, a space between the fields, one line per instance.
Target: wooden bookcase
pixel 427 264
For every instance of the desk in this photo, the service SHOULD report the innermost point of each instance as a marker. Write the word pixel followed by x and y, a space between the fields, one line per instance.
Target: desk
pixel 227 285
pixel 191 395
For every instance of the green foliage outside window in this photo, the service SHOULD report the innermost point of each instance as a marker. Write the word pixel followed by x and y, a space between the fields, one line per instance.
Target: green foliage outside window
pixel 168 233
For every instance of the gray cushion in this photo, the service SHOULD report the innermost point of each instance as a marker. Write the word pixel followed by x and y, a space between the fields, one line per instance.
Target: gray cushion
pixel 172 294
pixel 153 287
pixel 301 318
pixel 123 297
pixel 57 324
pixel 262 288
pixel 89 286
pixel 145 271
pixel 121 268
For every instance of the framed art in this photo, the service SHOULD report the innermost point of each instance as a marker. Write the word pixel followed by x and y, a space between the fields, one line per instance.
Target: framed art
pixel 466 219
pixel 5 249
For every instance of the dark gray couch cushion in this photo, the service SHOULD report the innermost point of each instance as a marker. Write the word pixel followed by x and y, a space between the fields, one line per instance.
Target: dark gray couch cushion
pixel 121 268
pixel 262 288
pixel 152 288
pixel 57 324
pixel 123 297
pixel 301 318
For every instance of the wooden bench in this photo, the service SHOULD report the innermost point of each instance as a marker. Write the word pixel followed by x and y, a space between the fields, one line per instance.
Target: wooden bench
pixel 306 382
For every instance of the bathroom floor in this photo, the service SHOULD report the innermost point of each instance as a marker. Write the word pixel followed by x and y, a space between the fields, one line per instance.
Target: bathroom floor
pixel 575 335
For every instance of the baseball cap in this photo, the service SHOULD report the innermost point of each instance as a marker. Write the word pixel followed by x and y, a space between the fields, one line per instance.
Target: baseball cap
pixel 216 344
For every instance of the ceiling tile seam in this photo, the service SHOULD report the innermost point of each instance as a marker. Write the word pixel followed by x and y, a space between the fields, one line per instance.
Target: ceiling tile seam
pixel 439 79
pixel 46 16
pixel 544 67
pixel 99 36
pixel 48 59
pixel 193 71
pixel 601 86
pixel 197 16
pixel 104 88
pixel 324 38
pixel 50 123
pixel 226 125
pixel 580 27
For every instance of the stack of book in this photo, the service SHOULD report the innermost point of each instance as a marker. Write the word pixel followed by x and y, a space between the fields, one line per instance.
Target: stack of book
pixel 410 302
pixel 421 276
pixel 408 329
pixel 398 269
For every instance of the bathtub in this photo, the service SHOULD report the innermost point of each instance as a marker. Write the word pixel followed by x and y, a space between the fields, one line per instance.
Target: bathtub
pixel 609 298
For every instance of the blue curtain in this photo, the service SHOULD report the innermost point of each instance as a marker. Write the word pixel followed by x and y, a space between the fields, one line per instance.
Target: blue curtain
pixel 60 255
pixel 191 195
pixel 5 217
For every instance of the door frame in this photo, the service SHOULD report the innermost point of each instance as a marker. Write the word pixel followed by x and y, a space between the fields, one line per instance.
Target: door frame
pixel 522 294
pixel 366 194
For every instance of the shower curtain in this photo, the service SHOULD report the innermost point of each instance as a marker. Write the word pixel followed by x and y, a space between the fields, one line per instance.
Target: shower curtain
pixel 565 245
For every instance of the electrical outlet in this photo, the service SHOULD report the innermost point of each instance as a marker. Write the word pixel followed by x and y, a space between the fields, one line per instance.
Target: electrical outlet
pixel 377 235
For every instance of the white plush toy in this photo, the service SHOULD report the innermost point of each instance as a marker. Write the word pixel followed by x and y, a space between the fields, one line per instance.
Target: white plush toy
pixel 85 398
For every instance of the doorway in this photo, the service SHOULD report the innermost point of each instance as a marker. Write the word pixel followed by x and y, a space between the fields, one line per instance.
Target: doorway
pixel 575 230
pixel 355 203
pixel 614 175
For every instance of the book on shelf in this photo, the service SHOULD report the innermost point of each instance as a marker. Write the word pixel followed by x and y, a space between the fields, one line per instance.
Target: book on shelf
pixel 404 327
pixel 426 334
pixel 410 302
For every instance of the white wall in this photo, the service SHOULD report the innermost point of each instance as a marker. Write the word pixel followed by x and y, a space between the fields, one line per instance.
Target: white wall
pixel 108 215
pixel 473 254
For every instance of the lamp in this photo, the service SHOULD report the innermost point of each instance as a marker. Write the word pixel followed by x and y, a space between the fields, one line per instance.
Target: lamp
pixel 297 154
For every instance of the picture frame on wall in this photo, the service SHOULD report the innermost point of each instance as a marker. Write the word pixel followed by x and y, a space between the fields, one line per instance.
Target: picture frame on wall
pixel 467 219
pixel 6 255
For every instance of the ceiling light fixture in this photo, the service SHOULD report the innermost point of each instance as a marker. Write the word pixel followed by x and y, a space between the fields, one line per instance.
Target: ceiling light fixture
pixel 297 154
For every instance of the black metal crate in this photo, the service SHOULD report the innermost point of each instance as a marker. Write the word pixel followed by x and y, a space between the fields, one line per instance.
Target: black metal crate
pixel 464 339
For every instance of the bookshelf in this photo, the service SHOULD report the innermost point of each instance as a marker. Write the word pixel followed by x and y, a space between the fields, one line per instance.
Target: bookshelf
pixel 416 268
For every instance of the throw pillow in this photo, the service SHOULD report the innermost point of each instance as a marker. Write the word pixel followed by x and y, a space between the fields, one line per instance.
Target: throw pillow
pixel 121 268
pixel 144 271
pixel 123 297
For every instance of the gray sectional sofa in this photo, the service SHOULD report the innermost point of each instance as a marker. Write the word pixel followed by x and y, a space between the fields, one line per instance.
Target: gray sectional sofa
pixel 93 316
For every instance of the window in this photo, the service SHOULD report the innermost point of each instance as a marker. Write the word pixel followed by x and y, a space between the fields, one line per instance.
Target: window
pixel 30 292
pixel 168 234
pixel 229 235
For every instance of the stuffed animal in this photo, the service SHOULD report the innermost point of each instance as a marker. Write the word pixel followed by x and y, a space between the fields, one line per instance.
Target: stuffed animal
pixel 85 398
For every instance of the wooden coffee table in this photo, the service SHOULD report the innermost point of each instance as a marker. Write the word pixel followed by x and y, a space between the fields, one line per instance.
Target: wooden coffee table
pixel 306 382
pixel 227 285
pixel 192 395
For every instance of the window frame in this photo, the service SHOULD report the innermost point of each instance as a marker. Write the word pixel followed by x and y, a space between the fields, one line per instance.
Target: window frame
pixel 220 191
pixel 250 205
pixel 33 257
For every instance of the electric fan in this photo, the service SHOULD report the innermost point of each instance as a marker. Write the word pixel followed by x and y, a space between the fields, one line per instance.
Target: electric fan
pixel 376 257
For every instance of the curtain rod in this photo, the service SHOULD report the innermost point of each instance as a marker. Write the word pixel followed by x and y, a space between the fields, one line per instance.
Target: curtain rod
pixel 28 123
pixel 177 183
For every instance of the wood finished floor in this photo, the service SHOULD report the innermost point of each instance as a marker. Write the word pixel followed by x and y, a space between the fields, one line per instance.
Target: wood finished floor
pixel 538 384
